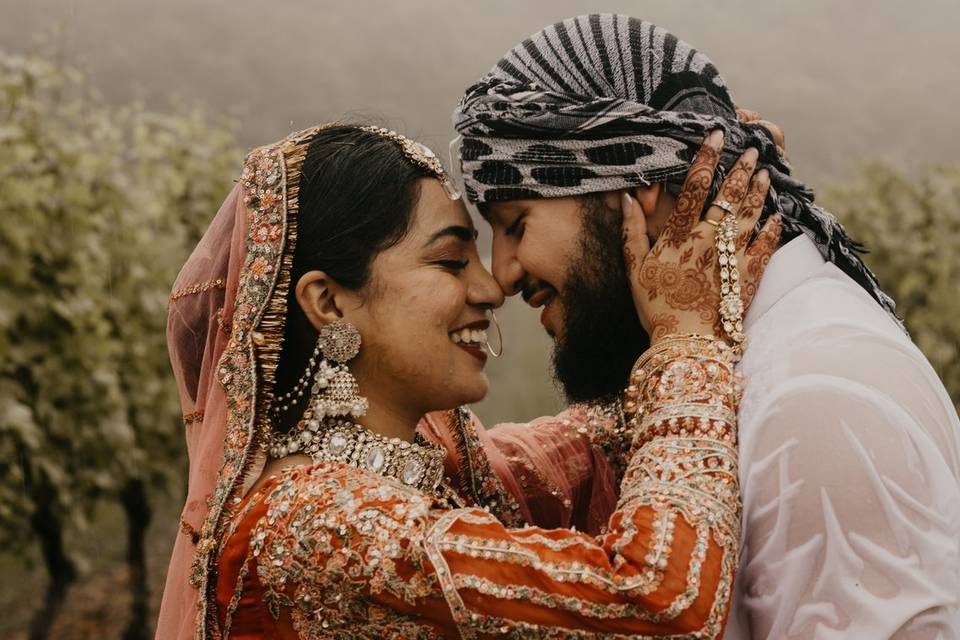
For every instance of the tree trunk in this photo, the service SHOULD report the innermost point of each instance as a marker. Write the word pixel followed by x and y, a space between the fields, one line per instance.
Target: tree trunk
pixel 136 506
pixel 61 569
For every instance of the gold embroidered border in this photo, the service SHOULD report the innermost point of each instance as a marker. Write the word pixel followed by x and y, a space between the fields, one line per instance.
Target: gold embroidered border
pixel 199 287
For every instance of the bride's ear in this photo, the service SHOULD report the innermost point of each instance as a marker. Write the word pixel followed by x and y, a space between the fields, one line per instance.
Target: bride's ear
pixel 317 294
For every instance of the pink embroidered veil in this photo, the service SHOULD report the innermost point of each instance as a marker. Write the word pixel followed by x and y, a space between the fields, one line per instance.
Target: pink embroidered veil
pixel 198 331
pixel 224 332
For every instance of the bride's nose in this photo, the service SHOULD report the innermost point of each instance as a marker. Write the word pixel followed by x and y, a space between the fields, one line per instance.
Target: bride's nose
pixel 482 288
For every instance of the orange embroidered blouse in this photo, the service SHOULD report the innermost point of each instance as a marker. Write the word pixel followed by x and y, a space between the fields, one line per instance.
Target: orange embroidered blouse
pixel 331 551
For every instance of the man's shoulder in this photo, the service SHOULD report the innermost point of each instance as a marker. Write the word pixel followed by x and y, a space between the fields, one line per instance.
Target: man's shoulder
pixel 820 312
pixel 827 333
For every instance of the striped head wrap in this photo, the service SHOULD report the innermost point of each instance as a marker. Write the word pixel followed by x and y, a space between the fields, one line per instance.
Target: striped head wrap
pixel 606 102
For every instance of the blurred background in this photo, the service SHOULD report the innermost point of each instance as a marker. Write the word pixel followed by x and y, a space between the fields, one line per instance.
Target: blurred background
pixel 124 122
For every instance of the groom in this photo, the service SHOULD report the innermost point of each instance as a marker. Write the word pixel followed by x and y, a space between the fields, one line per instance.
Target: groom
pixel 850 455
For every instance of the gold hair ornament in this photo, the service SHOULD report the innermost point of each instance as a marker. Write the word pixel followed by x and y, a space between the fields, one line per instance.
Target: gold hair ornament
pixel 420 155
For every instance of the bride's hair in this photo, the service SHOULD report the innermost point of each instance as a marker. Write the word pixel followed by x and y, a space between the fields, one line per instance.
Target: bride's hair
pixel 357 194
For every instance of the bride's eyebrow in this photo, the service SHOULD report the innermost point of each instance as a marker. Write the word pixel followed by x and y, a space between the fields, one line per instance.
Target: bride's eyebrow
pixel 466 234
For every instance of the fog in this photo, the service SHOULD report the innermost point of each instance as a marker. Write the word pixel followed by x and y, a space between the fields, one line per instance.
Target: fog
pixel 849 81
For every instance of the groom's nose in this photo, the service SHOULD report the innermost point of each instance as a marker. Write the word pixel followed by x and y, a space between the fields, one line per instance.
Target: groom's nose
pixel 506 266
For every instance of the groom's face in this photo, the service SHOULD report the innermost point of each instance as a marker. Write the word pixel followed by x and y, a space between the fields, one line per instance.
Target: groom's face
pixel 564 256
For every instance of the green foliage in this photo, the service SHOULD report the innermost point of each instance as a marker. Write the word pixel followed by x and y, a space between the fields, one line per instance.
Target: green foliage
pixel 911 225
pixel 99 208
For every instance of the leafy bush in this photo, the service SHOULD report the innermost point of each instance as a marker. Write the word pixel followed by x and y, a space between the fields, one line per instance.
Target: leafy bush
pixel 99 207
pixel 911 225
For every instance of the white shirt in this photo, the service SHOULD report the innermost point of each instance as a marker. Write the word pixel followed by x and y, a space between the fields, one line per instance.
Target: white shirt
pixel 849 466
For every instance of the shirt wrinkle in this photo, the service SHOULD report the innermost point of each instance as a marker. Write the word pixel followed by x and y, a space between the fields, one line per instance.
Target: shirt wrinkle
pixel 849 467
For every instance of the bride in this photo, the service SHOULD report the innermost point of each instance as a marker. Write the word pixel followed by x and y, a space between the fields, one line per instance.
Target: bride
pixel 338 298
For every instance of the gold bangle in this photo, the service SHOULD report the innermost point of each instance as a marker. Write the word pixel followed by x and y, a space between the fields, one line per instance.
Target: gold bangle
pixel 674 346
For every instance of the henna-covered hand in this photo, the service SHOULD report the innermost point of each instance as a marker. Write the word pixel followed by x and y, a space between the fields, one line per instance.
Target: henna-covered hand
pixel 747 116
pixel 676 283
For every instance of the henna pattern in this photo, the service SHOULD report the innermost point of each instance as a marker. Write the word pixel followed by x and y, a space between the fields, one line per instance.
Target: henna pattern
pixel 692 197
pixel 629 258
pixel 735 186
pixel 683 288
pixel 677 283
pixel 662 325
pixel 758 256
pixel 751 209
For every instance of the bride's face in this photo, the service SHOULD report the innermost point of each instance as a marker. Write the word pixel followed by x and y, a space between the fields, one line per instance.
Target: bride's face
pixel 422 314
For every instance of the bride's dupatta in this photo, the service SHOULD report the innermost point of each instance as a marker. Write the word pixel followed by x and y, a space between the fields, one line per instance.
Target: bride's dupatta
pixel 224 333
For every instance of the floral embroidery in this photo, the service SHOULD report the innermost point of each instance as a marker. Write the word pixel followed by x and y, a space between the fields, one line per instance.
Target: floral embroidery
pixel 267 232
pixel 342 553
pixel 607 430
pixel 479 484
pixel 264 184
pixel 333 534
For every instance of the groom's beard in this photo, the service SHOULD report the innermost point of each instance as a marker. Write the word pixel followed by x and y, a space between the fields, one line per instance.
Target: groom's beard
pixel 602 335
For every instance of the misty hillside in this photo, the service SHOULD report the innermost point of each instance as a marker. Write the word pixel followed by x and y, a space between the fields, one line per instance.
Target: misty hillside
pixel 849 81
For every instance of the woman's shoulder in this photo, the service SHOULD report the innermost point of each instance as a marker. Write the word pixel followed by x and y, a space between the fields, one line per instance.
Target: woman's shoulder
pixel 332 505
pixel 335 491
pixel 329 528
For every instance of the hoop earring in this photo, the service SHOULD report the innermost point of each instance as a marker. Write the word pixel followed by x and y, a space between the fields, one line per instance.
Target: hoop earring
pixel 496 323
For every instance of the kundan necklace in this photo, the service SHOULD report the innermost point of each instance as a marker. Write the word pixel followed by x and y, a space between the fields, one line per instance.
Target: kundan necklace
pixel 417 465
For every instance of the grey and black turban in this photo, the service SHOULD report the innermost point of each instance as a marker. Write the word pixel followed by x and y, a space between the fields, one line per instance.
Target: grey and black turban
pixel 606 102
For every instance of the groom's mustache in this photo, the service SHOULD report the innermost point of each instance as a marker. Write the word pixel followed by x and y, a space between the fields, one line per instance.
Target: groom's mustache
pixel 531 287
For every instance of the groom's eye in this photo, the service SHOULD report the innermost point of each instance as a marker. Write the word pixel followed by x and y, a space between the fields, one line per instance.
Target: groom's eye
pixel 516 229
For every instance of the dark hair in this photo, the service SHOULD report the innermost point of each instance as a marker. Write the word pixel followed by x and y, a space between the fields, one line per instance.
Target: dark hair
pixel 603 336
pixel 357 194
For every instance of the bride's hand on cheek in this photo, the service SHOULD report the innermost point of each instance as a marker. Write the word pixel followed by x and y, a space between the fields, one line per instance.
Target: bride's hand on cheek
pixel 676 283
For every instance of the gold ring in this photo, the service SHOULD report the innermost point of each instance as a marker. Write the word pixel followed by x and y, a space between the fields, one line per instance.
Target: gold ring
pixel 715 223
pixel 726 206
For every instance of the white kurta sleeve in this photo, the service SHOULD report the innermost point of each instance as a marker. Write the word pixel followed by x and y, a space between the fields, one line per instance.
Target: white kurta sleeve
pixel 851 498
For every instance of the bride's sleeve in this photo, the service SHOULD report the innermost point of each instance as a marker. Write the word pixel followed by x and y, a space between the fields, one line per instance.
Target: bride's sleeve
pixel 665 565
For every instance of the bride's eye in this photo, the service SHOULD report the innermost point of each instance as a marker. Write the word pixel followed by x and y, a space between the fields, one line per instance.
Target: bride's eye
pixel 453 265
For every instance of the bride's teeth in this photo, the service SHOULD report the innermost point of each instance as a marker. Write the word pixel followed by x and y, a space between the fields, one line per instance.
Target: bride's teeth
pixel 469 336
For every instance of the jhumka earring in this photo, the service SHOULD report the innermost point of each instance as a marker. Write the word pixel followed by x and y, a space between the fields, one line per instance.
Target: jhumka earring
pixel 335 391
pixel 333 394
pixel 327 432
